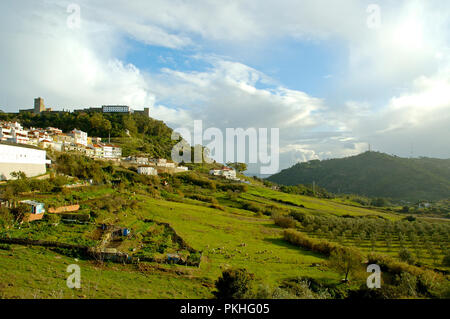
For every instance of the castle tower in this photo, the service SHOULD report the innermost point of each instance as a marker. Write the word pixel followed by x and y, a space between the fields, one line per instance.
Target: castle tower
pixel 39 105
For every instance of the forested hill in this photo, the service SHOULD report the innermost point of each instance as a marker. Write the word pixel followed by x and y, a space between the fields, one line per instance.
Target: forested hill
pixel 145 135
pixel 374 174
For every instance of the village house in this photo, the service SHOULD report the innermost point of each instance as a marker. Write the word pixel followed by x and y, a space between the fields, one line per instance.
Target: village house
pixel 180 169
pixel 162 162
pixel 111 151
pixel 226 172
pixel 137 160
pixel 98 150
pixel 147 170
pixel 13 132
pixel 79 137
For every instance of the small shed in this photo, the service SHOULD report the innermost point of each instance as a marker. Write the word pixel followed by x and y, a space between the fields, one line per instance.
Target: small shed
pixel 173 258
pixel 35 207
pixel 36 210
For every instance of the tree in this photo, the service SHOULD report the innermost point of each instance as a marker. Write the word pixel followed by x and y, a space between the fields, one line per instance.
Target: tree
pixel 234 284
pixel 19 212
pixel 446 260
pixel 18 175
pixel 379 202
pixel 345 260
pixel 6 218
pixel 240 167
pixel 406 256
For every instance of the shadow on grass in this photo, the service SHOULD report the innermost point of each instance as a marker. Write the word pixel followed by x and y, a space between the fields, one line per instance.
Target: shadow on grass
pixel 272 226
pixel 282 243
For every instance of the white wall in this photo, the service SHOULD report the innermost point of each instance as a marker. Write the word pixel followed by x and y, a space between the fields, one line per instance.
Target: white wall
pixel 21 155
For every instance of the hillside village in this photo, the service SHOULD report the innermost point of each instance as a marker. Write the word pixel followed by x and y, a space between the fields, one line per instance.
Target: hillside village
pixel 22 143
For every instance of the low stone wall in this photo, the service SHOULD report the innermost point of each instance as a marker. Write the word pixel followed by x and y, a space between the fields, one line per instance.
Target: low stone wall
pixel 62 209
pixel 44 243
pixel 32 217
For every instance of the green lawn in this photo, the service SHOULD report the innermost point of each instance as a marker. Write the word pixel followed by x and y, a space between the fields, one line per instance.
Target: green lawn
pixel 237 238
pixel 40 273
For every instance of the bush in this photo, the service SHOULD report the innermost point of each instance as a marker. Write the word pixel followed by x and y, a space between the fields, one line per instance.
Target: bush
pixel 300 239
pixel 406 284
pixel 385 292
pixel 284 221
pixel 446 260
pixel 6 217
pixel 5 247
pixel 406 256
pixel 428 280
pixel 194 258
pixel 52 218
pixel 203 198
pixel 234 284
pixel 252 207
pixel 242 188
pixel 195 179
pixel 298 216
pixel 379 202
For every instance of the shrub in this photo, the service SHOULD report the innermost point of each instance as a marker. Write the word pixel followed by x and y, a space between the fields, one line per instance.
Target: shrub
pixel 298 216
pixel 233 187
pixel 284 221
pixel 52 218
pixel 379 202
pixel 428 280
pixel 300 239
pixel 195 179
pixel 5 247
pixel 6 217
pixel 406 256
pixel 406 284
pixel 446 260
pixel 234 284
pixel 203 198
pixel 252 207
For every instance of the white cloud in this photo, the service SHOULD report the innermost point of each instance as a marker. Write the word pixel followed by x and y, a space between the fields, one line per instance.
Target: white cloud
pixel 85 67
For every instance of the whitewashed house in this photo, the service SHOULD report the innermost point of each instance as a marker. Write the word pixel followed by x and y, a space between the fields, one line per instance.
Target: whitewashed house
pixel 79 137
pixel 147 170
pixel 226 172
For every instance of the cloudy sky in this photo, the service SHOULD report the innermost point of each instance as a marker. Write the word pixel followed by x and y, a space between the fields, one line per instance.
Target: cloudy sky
pixel 333 76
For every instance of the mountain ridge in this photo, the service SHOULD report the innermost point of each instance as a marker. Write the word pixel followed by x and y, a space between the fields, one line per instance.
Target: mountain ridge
pixel 374 174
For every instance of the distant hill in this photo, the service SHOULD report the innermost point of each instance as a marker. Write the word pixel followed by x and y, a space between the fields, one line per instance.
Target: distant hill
pixel 374 174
